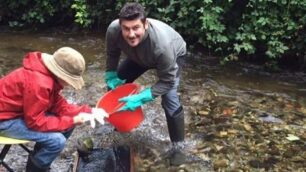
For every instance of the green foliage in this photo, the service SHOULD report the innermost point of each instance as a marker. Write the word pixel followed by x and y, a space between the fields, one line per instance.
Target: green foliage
pixel 35 14
pixel 31 12
pixel 211 25
pixel 82 13
pixel 238 28
pixel 231 29
pixel 267 24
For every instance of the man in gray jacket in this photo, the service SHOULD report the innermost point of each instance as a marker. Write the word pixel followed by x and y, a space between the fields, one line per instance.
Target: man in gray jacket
pixel 147 44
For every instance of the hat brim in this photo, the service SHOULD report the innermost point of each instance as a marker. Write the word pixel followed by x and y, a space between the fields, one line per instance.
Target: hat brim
pixel 75 82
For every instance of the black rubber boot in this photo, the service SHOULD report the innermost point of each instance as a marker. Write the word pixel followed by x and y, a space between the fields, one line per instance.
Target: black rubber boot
pixel 177 156
pixel 176 127
pixel 32 166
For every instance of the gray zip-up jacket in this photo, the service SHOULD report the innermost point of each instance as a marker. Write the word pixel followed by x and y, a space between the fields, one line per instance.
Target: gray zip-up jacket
pixel 158 50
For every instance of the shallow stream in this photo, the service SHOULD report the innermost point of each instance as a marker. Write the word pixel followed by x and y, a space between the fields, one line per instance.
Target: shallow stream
pixel 238 117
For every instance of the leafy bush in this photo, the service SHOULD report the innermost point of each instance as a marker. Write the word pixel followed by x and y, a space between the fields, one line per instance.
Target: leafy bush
pixel 241 28
pixel 231 29
pixel 31 12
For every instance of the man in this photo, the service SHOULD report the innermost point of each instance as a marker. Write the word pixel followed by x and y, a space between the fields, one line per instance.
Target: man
pixel 32 108
pixel 147 44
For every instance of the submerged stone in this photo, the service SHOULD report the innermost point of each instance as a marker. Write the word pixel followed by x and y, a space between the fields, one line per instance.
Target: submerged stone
pixel 269 118
pixel 117 159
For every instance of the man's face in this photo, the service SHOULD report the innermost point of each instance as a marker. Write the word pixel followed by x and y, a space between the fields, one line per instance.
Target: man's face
pixel 133 31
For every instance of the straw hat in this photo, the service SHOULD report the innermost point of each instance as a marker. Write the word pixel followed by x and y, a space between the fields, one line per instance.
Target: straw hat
pixel 67 64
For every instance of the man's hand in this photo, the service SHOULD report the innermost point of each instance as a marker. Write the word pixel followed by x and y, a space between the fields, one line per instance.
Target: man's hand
pixel 134 101
pixel 112 80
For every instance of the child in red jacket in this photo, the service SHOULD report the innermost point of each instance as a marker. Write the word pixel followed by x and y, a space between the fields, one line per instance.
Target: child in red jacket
pixel 32 107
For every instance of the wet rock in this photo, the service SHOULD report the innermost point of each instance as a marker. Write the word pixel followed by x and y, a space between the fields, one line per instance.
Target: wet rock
pixel 197 99
pixel 269 118
pixel 274 150
pixel 209 136
pixel 256 164
pixel 267 164
pixel 247 127
pixel 221 163
pixel 298 159
pixel 220 119
pixel 291 151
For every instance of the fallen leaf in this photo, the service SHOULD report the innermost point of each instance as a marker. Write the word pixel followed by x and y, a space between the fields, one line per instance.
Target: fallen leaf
pixel 223 134
pixel 292 137
pixel 247 127
pixel 203 112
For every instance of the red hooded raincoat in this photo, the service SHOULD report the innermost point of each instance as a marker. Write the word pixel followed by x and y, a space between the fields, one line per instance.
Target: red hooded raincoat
pixel 32 91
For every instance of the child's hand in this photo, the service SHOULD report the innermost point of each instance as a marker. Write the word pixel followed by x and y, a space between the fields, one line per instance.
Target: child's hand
pixel 96 114
pixel 99 114
pixel 84 117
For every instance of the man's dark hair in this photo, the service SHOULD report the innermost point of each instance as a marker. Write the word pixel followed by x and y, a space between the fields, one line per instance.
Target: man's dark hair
pixel 132 11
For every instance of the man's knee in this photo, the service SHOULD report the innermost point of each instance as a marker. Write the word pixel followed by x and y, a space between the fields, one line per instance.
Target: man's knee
pixel 57 141
pixel 171 105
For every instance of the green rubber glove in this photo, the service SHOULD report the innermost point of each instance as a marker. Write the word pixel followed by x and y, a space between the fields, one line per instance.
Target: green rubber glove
pixel 112 80
pixel 134 101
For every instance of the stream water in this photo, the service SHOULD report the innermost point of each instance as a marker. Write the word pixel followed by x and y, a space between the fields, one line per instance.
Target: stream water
pixel 238 117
